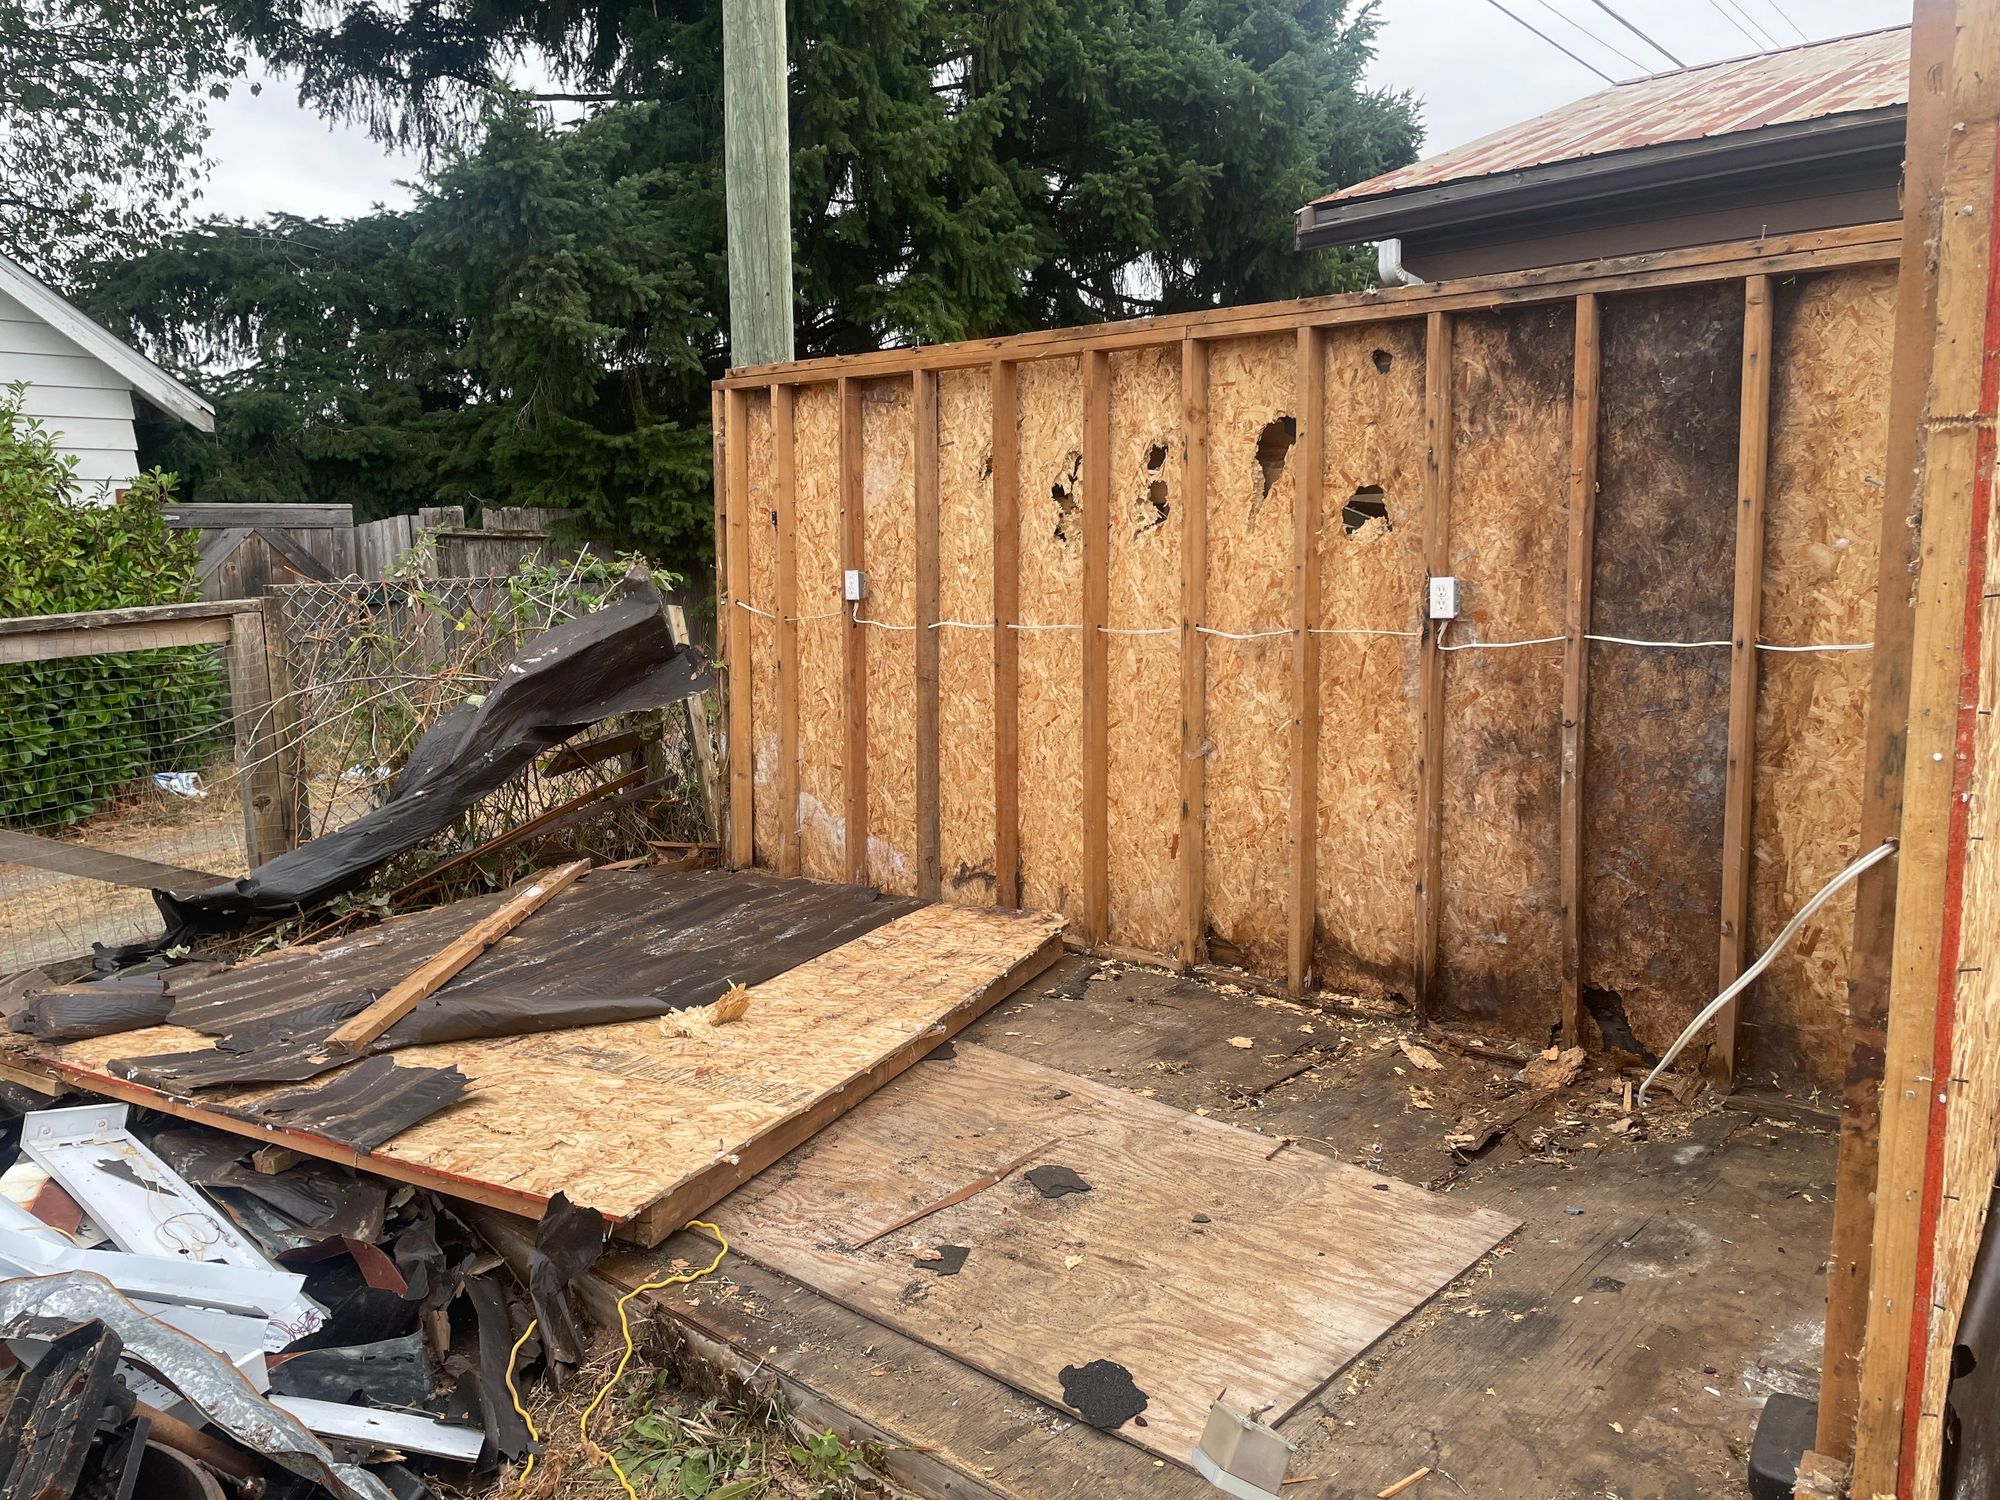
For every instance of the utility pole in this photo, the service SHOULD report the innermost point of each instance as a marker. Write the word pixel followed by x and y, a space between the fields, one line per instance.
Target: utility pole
pixel 757 177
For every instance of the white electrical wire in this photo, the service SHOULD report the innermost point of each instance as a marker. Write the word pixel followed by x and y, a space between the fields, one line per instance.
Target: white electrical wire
pixel 880 624
pixel 1540 640
pixel 1134 630
pixel 961 624
pixel 1714 1007
pixel 1407 635
pixel 1239 635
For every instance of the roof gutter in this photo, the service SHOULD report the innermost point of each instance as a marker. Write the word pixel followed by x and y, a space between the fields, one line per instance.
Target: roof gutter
pixel 1652 178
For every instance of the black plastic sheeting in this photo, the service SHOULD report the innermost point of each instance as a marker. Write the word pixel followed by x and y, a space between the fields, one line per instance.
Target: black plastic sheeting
pixel 367 1105
pixel 568 1241
pixel 620 660
pixel 1971 1461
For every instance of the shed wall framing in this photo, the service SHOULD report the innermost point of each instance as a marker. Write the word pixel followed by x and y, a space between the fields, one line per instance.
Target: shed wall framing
pixel 1348 797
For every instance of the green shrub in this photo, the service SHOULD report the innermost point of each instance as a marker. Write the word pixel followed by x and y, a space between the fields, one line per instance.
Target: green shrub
pixel 73 732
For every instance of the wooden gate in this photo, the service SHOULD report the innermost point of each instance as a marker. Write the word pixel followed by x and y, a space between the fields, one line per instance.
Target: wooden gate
pixel 246 548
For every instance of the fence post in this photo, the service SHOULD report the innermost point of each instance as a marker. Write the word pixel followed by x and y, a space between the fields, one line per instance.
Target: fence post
pixel 260 780
pixel 704 748
pixel 287 720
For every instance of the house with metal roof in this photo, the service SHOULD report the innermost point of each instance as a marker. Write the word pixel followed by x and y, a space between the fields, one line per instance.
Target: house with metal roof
pixel 1806 138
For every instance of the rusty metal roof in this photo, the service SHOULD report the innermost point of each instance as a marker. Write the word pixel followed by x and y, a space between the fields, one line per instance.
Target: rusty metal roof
pixel 1848 75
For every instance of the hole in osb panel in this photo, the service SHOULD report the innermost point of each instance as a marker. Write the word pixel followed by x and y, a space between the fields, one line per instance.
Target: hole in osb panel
pixel 986 465
pixel 1384 361
pixel 1153 507
pixel 1274 445
pixel 1063 494
pixel 1366 510
pixel 1607 1009
pixel 1156 458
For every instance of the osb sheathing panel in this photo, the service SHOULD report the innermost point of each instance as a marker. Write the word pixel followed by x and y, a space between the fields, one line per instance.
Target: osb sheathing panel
pixel 1823 502
pixel 889 553
pixel 627 1117
pixel 1500 910
pixel 822 743
pixel 965 657
pixel 1143 680
pixel 763 504
pixel 1051 661
pixel 1371 578
pixel 1251 388
pixel 1658 720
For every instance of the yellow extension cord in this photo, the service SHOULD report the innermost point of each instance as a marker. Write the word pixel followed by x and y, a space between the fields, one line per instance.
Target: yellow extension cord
pixel 624 1359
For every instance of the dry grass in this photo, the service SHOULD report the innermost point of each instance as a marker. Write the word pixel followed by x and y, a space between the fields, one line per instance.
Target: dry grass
pixel 673 1445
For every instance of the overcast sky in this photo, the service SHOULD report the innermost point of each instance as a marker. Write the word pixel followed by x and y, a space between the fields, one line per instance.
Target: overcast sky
pixel 1474 70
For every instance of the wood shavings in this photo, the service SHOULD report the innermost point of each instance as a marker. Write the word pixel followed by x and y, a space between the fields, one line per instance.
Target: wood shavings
pixel 1420 1057
pixel 1243 1043
pixel 700 1021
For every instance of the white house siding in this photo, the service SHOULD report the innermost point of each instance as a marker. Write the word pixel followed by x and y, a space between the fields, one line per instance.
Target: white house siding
pixel 82 400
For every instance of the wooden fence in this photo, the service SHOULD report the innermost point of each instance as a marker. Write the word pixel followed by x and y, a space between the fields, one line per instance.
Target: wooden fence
pixel 1144 638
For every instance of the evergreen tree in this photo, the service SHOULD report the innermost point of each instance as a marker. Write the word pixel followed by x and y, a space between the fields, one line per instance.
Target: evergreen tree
pixel 540 327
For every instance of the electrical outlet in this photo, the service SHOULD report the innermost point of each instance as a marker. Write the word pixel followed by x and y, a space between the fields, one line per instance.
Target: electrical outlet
pixel 854 587
pixel 1444 598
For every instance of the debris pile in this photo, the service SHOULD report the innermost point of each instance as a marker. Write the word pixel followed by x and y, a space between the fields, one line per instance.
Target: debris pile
pixel 182 1315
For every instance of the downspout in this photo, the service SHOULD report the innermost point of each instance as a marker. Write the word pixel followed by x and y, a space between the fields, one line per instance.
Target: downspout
pixel 1389 268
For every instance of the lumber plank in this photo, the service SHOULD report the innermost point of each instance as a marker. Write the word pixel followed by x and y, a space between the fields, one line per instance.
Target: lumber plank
pixel 254 516
pixel 1302 808
pixel 784 434
pixel 1865 244
pixel 1096 615
pixel 1430 690
pixel 1752 468
pixel 86 863
pixel 698 729
pixel 737 675
pixel 1254 1306
pixel 436 971
pixel 58 643
pixel 262 785
pixel 924 415
pixel 1194 649
pixel 1851 1253
pixel 1576 654
pixel 1923 1103
pixel 646 1126
pixel 1006 642
pixel 854 703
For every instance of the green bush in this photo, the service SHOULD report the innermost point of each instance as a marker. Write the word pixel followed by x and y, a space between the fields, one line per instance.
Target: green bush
pixel 73 732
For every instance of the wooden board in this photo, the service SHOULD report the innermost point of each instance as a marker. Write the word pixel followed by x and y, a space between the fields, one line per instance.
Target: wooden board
pixel 1371 578
pixel 1251 485
pixel 1659 719
pixel 822 788
pixel 1820 553
pixel 1300 1262
pixel 762 530
pixel 646 1126
pixel 1500 901
pixel 889 552
pixel 965 655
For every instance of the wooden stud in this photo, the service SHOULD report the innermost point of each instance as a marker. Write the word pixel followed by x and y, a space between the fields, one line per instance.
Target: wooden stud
pixel 1430 690
pixel 1921 1089
pixel 854 777
pixel 1851 1254
pixel 260 783
pixel 1096 659
pixel 1576 653
pixel 924 409
pixel 1303 807
pixel 718 424
pixel 1194 647
pixel 1006 454
pixel 698 731
pixel 435 972
pixel 785 467
pixel 1753 459
pixel 285 734
pixel 736 629
pixel 1812 250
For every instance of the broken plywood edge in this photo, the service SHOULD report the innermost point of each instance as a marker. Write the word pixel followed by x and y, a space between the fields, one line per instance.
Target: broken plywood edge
pixel 647 1127
pixel 943 1430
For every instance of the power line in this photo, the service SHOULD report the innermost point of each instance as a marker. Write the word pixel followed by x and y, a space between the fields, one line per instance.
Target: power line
pixel 1601 5
pixel 1730 17
pixel 1551 41
pixel 1574 25
pixel 1786 17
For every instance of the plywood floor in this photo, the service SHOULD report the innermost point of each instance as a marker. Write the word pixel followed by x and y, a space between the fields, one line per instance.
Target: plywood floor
pixel 647 1125
pixel 1193 1260
pixel 1667 1278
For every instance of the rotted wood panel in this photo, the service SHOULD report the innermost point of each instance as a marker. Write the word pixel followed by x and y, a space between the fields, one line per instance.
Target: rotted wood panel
pixel 762 525
pixel 888 491
pixel 1143 696
pixel 822 784
pixel 1656 739
pixel 1051 661
pixel 1500 915
pixel 1829 440
pixel 965 656
pixel 1251 481
pixel 1371 578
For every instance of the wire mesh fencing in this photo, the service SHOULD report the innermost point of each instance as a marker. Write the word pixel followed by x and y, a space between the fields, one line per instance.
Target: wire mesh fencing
pixel 373 666
pixel 132 752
